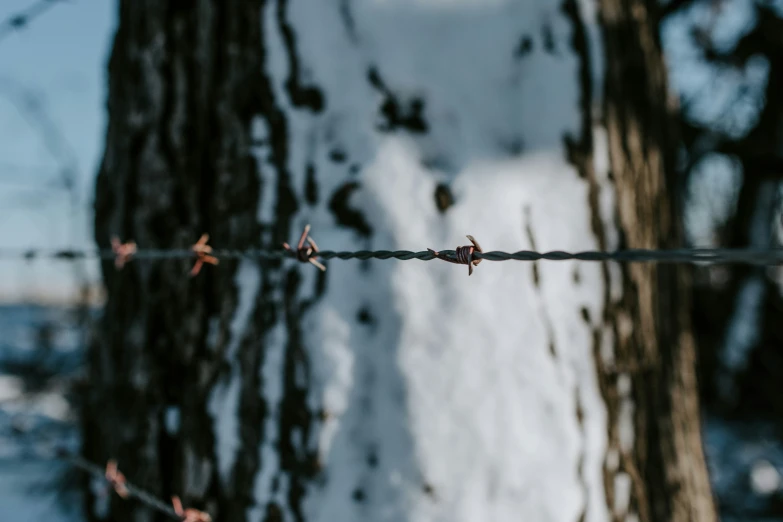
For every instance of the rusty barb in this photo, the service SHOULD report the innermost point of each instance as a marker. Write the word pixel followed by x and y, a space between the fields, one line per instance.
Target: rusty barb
pixel 116 479
pixel 123 251
pixel 189 515
pixel 125 490
pixel 202 251
pixel 463 255
pixel 305 254
pixel 308 251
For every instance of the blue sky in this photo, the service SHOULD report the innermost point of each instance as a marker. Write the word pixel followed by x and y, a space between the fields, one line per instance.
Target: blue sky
pixel 59 61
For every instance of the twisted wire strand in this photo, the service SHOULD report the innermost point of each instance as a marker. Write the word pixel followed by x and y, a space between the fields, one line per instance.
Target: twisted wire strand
pixel 753 256
pixel 135 492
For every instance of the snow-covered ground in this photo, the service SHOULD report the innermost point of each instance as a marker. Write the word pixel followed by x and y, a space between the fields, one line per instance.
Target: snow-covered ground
pixel 21 499
pixel 746 459
pixel 33 486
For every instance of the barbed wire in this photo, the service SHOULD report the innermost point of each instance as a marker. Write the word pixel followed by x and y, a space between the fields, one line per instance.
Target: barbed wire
pixel 21 19
pixel 109 474
pixel 114 478
pixel 307 251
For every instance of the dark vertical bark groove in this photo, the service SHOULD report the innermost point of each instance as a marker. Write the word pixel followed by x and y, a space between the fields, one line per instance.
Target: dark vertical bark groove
pixel 296 418
pixel 301 96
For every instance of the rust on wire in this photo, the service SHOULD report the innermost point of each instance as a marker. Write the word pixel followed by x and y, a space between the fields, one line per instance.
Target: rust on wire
pixel 202 251
pixel 123 252
pixel 463 255
pixel 127 491
pixel 190 514
pixel 307 250
pixel 116 479
pixel 304 254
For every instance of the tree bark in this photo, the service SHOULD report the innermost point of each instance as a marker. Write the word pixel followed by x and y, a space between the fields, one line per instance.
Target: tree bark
pixel 185 80
pixel 667 463
pixel 215 388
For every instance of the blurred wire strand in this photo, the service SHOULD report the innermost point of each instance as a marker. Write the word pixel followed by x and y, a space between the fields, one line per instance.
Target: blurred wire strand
pixel 752 256
pixel 21 19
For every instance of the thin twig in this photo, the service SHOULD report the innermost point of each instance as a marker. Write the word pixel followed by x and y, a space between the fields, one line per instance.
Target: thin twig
pixel 21 19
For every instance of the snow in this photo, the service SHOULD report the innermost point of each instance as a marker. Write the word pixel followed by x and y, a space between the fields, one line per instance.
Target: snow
pixel 172 420
pixel 11 388
pixel 272 391
pixel 725 99
pixel 588 11
pixel 448 397
pixel 622 488
pixel 260 150
pixel 764 478
pixel 465 394
pixel 22 500
pixel 224 400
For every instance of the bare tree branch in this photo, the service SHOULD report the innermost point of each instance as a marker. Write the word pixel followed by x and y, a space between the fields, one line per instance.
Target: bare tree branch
pixel 21 19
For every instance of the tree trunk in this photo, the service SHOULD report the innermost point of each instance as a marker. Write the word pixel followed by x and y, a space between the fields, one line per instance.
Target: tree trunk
pixel 392 390
pixel 667 457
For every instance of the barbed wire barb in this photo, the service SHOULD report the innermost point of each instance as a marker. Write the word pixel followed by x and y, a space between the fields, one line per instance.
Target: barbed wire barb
pixel 126 490
pixel 464 255
pixel 305 254
pixel 122 251
pixel 206 254
pixel 116 479
pixel 202 251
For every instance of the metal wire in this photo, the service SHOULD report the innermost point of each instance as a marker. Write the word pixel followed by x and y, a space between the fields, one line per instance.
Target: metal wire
pixel 752 256
pixel 135 492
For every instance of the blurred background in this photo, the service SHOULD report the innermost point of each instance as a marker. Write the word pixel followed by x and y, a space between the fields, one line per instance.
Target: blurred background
pixel 725 61
pixel 52 119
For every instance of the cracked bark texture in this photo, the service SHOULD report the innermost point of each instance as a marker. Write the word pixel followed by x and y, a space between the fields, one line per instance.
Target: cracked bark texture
pixel 651 322
pixel 186 78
